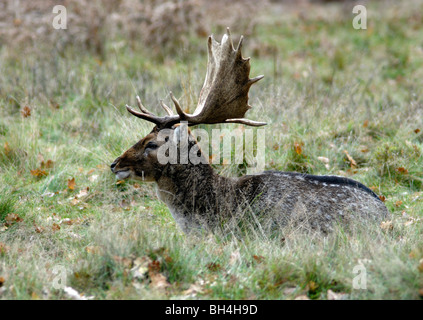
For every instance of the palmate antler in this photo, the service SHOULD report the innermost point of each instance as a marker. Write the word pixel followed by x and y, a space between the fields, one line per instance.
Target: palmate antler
pixel 224 96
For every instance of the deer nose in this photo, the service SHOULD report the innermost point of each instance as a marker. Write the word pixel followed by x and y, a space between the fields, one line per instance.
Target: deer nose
pixel 113 165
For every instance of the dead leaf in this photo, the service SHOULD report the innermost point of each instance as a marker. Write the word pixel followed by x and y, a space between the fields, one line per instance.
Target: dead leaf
pixel 12 218
pixel 398 203
pixel 323 159
pixel 93 178
pixel 140 269
pixel 387 225
pixel 420 267
pixel 55 227
pixel 235 257
pixel 75 201
pixel 402 170
pixel 353 163
pixel 7 148
pixel 417 131
pixel 382 198
pixel 297 148
pixel 159 281
pixel 365 123
pixel 71 184
pixel 154 267
pixel 126 262
pixel 83 193
pixel 289 291
pixel 212 266
pixel 2 281
pixel 92 249
pixel 193 290
pixel 258 259
pixel 302 297
pixel 47 164
pixel 26 112
pixel 336 296
pixel 38 229
pixel 312 286
pixel 39 173
pixel 75 295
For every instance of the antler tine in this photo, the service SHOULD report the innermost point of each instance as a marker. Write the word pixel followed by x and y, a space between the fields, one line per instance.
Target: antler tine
pixel 179 110
pixel 146 116
pixel 246 122
pixel 161 122
pixel 141 107
pixel 166 108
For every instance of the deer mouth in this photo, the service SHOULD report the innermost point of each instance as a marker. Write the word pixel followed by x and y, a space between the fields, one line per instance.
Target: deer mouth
pixel 123 174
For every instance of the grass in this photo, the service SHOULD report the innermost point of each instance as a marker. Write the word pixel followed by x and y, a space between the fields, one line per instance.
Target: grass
pixel 328 89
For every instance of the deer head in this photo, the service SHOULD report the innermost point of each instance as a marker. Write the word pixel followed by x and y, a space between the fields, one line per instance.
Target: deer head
pixel 223 99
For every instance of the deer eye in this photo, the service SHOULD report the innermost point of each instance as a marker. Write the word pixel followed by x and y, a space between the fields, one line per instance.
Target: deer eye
pixel 151 145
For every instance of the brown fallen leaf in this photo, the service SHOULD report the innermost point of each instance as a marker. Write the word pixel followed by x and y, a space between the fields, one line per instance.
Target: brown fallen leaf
pixel 235 257
pixel 26 112
pixel 297 148
pixel 289 291
pixel 387 225
pixel 7 148
pixel 154 267
pixel 140 267
pixel 2 281
pixel 159 281
pixel 420 267
pixel 302 297
pixel 398 203
pixel 126 262
pixel 39 173
pixel 12 218
pixel 258 259
pixel 212 266
pixel 336 296
pixel 193 290
pixel 353 163
pixel 83 193
pixel 47 164
pixel 38 229
pixel 71 184
pixel 92 249
pixel 75 201
pixel 55 227
pixel 402 170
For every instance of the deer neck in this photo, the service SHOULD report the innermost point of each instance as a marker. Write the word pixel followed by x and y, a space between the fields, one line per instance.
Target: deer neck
pixel 191 191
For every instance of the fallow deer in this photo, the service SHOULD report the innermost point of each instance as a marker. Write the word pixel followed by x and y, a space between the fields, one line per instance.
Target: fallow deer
pixel 199 198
